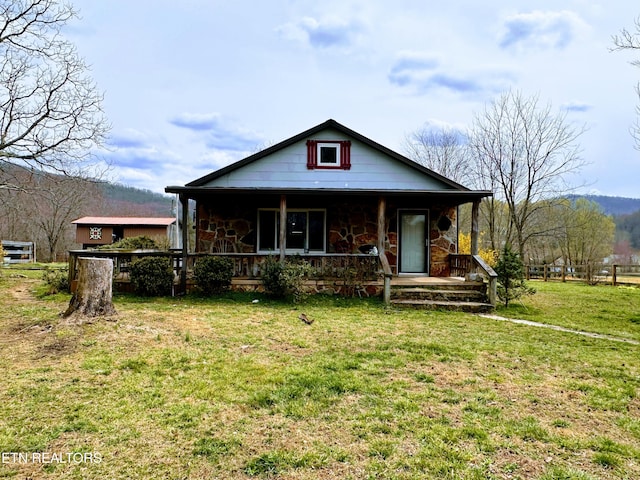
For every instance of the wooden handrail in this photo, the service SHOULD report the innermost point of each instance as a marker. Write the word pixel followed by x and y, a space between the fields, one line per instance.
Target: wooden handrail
pixel 491 274
pixel 386 270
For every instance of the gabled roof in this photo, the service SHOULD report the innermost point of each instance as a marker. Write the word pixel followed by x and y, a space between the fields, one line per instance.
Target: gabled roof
pixel 262 172
pixel 139 221
pixel 329 124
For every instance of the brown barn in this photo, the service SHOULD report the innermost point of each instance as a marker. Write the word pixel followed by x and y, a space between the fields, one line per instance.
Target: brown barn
pixel 93 232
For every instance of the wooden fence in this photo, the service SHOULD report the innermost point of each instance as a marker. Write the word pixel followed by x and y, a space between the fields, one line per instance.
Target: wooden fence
pixel 593 273
pixel 18 252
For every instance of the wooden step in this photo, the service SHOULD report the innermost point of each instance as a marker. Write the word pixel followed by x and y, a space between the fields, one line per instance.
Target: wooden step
pixel 480 286
pixel 419 293
pixel 473 307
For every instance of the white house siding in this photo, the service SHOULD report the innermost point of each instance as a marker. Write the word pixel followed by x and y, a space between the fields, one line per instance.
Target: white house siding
pixel 287 168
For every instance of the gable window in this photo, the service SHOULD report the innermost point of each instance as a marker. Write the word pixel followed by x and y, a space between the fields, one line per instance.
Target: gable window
pixel 328 154
pixel 305 231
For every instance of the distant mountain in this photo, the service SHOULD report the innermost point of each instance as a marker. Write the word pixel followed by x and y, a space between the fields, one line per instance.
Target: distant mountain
pixel 123 200
pixel 612 205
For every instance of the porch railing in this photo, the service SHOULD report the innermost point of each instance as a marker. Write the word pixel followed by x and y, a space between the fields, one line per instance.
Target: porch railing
pixel 461 265
pixel 351 268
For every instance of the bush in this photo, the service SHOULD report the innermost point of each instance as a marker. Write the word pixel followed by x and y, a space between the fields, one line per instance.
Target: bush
pixel 489 256
pixel 510 270
pixel 152 276
pixel 284 280
pixel 141 242
pixel 213 274
pixel 57 280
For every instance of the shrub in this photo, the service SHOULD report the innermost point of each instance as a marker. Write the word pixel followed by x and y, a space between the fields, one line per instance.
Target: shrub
pixel 152 276
pixel 283 280
pixel 489 256
pixel 213 274
pixel 57 280
pixel 141 242
pixel 510 270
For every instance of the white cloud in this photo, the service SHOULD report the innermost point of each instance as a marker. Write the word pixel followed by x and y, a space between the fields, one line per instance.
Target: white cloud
pixel 324 33
pixel 541 29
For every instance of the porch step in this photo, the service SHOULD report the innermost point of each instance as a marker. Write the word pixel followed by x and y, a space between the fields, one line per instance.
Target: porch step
pixel 438 294
pixel 460 296
pixel 473 307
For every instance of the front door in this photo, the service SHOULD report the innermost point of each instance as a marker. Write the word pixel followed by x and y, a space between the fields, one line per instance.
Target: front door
pixel 413 256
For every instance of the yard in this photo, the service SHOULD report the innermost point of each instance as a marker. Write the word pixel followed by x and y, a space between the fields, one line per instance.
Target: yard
pixel 194 388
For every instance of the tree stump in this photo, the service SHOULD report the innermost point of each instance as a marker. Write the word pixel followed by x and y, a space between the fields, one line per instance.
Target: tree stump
pixel 93 295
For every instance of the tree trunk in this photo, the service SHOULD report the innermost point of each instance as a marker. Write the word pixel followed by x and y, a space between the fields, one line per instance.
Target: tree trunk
pixel 93 295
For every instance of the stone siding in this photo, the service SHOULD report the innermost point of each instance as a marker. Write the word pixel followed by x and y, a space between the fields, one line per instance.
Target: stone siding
pixel 352 227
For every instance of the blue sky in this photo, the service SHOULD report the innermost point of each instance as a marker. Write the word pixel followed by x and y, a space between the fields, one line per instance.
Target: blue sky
pixel 194 85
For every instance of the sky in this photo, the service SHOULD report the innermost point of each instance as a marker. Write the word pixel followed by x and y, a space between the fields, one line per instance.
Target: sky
pixel 193 85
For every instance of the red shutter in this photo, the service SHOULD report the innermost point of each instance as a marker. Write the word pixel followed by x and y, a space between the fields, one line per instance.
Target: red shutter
pixel 312 154
pixel 345 154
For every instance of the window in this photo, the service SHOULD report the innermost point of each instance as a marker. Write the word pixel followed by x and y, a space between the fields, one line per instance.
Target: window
pixel 328 154
pixel 305 230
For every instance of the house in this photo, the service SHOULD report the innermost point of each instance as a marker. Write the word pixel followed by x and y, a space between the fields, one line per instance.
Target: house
pixel 93 232
pixel 330 195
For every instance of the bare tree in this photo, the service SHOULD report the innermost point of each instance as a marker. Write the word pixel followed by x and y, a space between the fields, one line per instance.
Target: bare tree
pixel 525 152
pixel 50 110
pixel 43 208
pixel 627 40
pixel 56 202
pixel 442 150
pixel 588 233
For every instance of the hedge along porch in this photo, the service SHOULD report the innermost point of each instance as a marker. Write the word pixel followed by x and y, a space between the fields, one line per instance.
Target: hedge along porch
pixel 328 193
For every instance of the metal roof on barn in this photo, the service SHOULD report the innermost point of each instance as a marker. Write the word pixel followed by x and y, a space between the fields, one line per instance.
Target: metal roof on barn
pixel 138 221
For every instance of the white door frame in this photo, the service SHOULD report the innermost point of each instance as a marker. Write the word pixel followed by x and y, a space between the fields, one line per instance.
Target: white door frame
pixel 424 241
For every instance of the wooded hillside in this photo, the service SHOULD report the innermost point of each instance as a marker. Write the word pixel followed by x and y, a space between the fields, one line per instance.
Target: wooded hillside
pixel 612 205
pixel 39 207
pixel 130 201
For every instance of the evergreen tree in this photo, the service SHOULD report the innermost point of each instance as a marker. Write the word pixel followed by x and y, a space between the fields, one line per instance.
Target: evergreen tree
pixel 511 283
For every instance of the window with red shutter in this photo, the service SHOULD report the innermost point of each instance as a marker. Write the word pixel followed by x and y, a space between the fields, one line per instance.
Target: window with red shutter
pixel 328 154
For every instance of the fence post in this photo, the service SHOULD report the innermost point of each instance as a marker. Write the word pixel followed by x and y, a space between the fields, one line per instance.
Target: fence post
pixel 528 272
pixel 614 275
pixel 544 275
pixel 563 270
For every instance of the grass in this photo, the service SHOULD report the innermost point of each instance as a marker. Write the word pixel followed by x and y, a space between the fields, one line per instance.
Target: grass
pixel 598 309
pixel 226 388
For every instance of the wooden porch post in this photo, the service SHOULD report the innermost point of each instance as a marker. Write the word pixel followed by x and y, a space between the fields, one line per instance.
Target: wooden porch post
pixel 283 226
pixel 382 212
pixel 382 207
pixel 184 201
pixel 475 210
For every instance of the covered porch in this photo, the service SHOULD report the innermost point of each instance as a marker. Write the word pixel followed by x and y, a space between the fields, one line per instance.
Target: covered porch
pixel 363 243
pixel 361 275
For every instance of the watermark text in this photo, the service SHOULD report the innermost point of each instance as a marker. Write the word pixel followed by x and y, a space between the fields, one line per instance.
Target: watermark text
pixel 50 457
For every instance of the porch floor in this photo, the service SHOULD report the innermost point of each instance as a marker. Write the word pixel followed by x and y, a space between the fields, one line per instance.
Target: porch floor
pixel 417 280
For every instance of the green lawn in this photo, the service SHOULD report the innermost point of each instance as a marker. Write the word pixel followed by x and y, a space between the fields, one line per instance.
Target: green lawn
pixel 599 309
pixel 226 388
